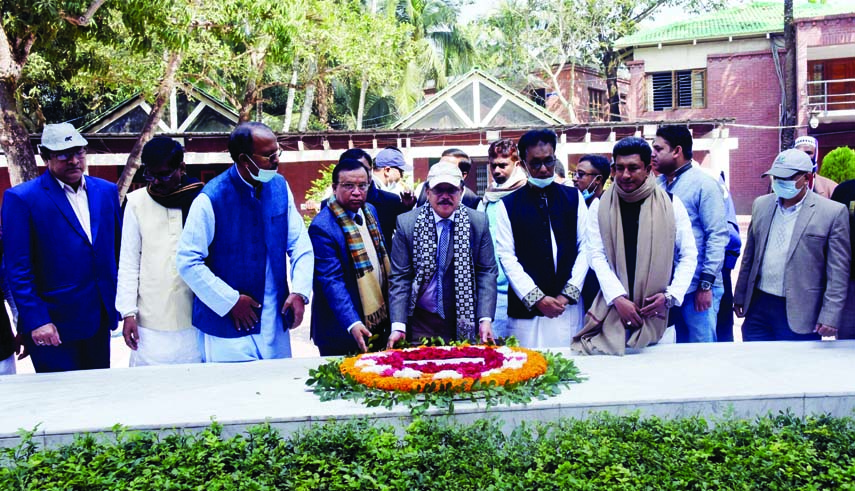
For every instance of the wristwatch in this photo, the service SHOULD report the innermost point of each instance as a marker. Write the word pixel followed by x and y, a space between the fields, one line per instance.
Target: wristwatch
pixel 669 301
pixel 705 285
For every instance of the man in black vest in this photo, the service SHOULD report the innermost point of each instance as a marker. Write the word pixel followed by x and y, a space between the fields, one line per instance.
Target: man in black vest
pixel 539 237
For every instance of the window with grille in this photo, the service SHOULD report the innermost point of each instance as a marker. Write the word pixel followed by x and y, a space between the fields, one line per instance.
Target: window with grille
pixel 596 108
pixel 677 89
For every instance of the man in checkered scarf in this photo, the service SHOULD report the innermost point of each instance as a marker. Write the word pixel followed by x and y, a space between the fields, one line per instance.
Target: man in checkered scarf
pixel 443 280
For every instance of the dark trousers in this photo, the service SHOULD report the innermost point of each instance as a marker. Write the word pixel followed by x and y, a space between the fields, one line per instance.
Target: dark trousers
pixel 846 329
pixel 82 354
pixel 424 324
pixel 724 324
pixel 766 320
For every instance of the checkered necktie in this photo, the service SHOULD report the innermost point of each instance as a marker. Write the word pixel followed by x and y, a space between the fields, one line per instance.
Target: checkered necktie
pixel 441 254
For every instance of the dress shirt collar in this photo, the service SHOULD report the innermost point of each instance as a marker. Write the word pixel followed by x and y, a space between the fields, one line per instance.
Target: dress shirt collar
pixel 437 218
pixel 793 209
pixel 66 187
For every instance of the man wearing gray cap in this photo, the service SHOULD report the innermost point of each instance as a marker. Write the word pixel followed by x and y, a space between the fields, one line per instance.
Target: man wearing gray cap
pixel 443 281
pixel 61 236
pixel 795 268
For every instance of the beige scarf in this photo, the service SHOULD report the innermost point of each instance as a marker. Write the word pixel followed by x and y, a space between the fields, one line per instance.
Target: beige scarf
pixel 604 331
pixel 496 192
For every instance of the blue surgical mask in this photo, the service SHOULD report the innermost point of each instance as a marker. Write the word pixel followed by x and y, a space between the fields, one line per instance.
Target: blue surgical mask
pixel 541 182
pixel 264 175
pixel 785 189
pixel 587 194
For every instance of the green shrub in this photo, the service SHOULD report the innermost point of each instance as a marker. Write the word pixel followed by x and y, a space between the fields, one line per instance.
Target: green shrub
pixel 839 165
pixel 604 452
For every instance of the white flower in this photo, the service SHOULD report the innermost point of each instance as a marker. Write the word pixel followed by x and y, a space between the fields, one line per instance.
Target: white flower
pixel 376 368
pixel 513 363
pixel 407 373
pixel 365 362
pixel 491 372
pixel 447 374
pixel 505 350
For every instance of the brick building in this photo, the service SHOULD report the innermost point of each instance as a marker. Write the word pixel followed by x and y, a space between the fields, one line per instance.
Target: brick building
pixel 726 65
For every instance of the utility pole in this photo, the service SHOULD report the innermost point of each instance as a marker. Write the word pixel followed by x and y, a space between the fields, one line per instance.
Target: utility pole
pixel 790 92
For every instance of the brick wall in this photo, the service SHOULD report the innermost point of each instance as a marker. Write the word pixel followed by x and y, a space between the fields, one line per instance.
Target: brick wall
pixel 833 30
pixel 741 86
pixel 585 78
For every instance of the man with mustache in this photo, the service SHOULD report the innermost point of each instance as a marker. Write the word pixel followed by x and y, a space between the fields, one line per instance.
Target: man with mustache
pixel 540 235
pixel 61 236
pixel 443 281
pixel 154 301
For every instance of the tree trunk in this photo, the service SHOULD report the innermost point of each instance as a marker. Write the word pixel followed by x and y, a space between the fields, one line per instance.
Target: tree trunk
pixel 360 109
pixel 289 104
pixel 610 65
pixel 790 111
pixel 167 83
pixel 14 138
pixel 323 102
pixel 556 84
pixel 309 101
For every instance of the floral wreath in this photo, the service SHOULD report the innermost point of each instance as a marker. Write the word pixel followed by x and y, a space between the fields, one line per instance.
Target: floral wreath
pixel 438 376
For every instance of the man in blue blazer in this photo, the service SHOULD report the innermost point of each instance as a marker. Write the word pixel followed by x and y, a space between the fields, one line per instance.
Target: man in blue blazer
pixel 351 268
pixel 61 235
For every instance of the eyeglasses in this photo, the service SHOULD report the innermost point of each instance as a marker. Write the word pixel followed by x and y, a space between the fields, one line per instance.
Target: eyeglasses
pixel 273 156
pixel 350 186
pixel 581 175
pixel 69 154
pixel 537 164
pixel 149 177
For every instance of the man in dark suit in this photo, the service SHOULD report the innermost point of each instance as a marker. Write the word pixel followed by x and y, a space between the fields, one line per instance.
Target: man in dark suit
pixel 464 163
pixel 351 268
pixel 61 234
pixel 386 205
pixel 794 276
pixel 443 281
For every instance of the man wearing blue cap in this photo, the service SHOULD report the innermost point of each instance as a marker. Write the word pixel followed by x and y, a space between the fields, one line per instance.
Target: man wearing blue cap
pixel 795 269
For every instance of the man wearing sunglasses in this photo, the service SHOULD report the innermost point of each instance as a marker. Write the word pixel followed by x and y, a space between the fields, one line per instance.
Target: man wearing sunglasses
pixel 540 232
pixel 154 301
pixel 61 236
pixel 233 249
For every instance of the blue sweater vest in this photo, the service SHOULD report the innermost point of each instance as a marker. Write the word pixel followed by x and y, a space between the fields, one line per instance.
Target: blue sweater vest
pixel 247 231
pixel 530 221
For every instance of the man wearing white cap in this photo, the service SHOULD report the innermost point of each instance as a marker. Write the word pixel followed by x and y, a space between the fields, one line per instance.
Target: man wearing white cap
pixel 795 269
pixel 443 281
pixel 822 186
pixel 61 236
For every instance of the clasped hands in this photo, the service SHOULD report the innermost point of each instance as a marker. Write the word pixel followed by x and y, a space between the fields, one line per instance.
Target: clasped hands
pixel 244 315
pixel 633 316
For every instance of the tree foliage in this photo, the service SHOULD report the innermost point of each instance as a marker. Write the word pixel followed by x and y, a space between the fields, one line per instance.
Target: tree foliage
pixel 839 165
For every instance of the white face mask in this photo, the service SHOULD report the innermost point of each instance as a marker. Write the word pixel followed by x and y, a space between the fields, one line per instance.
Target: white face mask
pixel 264 175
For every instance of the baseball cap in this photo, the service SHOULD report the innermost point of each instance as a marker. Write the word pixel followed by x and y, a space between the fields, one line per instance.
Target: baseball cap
pixel 389 157
pixel 444 173
pixel 788 163
pixel 62 136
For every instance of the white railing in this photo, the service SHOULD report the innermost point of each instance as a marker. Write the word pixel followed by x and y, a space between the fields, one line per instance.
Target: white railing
pixel 831 95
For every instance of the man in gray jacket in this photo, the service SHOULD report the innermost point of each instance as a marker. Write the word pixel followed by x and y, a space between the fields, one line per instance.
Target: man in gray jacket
pixel 795 269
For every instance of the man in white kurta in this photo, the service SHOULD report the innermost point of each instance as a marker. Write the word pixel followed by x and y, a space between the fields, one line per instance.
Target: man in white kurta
pixel 540 237
pixel 155 303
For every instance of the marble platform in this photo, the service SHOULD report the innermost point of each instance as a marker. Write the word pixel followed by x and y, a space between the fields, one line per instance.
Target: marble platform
pixel 713 380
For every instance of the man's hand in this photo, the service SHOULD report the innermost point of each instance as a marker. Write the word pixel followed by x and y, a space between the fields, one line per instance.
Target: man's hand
pixel 130 332
pixel 551 306
pixel 20 347
pixel 703 300
pixel 361 334
pixel 296 304
pixel 825 330
pixel 394 338
pixel 628 312
pixel 485 330
pixel 739 310
pixel 243 313
pixel 46 335
pixel 654 306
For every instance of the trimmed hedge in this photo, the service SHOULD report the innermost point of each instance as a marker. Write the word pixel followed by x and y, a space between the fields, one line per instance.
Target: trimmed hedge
pixel 604 452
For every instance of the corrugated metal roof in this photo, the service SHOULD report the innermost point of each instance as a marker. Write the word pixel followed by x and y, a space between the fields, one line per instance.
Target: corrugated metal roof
pixel 754 18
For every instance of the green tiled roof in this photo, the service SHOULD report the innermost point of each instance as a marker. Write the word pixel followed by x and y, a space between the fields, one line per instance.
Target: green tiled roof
pixel 754 18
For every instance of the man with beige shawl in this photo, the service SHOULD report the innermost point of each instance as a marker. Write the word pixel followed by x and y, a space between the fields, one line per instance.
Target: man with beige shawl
pixel 637 236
